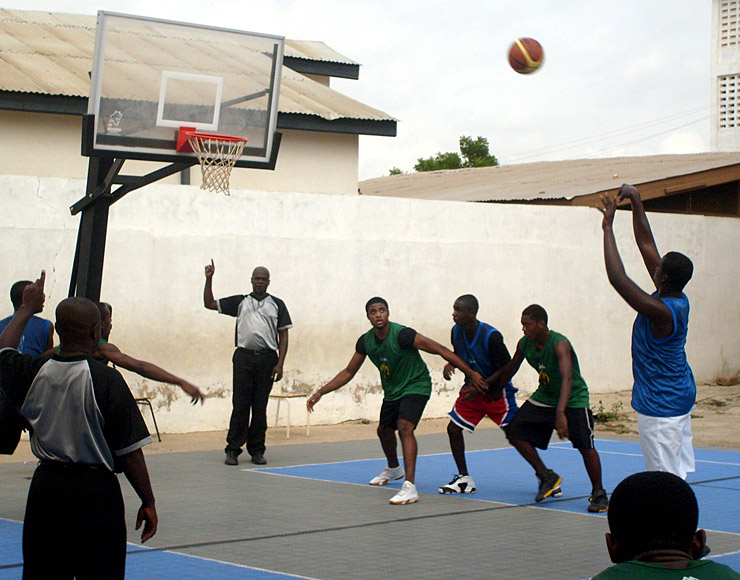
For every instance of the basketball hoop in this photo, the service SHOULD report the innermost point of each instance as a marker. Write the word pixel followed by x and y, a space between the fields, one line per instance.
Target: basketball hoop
pixel 217 155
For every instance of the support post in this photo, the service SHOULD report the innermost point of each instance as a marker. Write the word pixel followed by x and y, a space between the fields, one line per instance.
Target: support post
pixel 87 270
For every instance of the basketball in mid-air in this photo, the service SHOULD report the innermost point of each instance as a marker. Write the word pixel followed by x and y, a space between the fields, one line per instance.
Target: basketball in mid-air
pixel 526 55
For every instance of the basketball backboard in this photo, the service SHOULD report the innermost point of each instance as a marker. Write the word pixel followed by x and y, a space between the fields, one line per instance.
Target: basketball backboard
pixel 151 77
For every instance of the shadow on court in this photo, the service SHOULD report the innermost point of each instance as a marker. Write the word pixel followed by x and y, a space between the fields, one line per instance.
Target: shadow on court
pixel 311 514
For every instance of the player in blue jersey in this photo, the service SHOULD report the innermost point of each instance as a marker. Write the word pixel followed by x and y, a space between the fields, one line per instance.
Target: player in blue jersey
pixel 38 335
pixel 664 391
pixel 482 347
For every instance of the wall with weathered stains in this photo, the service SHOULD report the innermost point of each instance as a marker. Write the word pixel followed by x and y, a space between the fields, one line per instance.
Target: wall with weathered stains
pixel 328 254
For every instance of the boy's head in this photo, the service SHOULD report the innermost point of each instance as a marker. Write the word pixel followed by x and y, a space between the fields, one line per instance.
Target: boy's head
pixel 675 271
pixel 653 510
pixel 377 312
pixel 16 293
pixel 106 319
pixel 534 322
pixel 465 309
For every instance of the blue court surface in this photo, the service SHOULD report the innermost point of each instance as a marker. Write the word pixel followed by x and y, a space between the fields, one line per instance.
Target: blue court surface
pixel 309 526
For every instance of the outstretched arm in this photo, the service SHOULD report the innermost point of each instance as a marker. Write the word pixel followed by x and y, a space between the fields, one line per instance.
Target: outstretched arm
pixel 147 370
pixel 134 468
pixel 344 376
pixel 208 300
pixel 641 226
pixel 636 297
pixel 501 377
pixel 428 345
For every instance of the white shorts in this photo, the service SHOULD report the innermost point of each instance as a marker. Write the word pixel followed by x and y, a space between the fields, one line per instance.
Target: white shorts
pixel 666 444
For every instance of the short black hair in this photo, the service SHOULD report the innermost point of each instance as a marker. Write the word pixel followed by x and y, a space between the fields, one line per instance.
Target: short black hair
pixel 678 268
pixel 105 309
pixel 535 312
pixel 470 302
pixel 653 510
pixel 16 292
pixel 375 300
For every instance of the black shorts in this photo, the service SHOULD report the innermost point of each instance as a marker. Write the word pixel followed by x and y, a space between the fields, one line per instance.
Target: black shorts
pixel 535 424
pixel 409 408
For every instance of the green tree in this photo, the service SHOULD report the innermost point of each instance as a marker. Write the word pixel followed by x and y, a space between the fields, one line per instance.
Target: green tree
pixel 438 162
pixel 473 153
pixel 395 171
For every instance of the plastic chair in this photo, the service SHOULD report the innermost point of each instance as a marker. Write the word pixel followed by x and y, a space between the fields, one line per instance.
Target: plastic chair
pixel 279 396
pixel 146 401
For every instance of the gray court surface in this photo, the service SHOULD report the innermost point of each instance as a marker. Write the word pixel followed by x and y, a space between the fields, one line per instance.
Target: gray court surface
pixel 323 529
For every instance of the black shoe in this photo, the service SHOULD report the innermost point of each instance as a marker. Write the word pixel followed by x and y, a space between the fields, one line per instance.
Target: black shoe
pixel 231 458
pixel 598 502
pixel 259 459
pixel 549 482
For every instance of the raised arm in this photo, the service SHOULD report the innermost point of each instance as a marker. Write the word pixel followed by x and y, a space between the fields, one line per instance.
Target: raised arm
pixel 565 364
pixel 641 226
pixel 134 468
pixel 147 370
pixel 33 302
pixel 343 377
pixel 208 300
pixel 636 297
pixel 433 347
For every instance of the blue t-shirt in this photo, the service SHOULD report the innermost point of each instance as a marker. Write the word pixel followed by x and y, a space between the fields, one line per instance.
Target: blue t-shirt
pixel 35 336
pixel 664 383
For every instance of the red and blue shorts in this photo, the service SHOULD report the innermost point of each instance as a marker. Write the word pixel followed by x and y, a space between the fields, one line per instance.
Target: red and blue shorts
pixel 467 413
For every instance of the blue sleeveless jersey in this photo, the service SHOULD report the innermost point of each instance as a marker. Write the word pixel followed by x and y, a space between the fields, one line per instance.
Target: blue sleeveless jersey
pixel 35 336
pixel 475 352
pixel 664 383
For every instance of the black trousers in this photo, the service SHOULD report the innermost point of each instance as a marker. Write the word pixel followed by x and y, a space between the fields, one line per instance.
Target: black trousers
pixel 252 386
pixel 74 525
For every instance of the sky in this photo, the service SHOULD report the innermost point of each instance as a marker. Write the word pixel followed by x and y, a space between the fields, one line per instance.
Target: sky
pixel 619 78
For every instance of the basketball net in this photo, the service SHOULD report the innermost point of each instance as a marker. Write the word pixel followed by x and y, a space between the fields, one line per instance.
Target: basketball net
pixel 217 156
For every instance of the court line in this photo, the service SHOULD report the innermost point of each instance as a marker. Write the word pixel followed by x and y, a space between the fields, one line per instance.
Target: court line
pixel 234 564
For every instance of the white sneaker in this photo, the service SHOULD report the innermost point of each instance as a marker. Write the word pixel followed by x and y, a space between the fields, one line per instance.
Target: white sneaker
pixel 459 484
pixel 387 474
pixel 408 494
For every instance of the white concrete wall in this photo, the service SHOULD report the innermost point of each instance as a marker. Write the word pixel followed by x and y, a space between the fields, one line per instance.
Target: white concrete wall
pixel 328 254
pixel 309 162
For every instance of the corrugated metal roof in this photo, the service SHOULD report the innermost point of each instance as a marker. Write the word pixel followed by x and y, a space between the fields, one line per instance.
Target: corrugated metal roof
pixel 51 53
pixel 314 50
pixel 544 180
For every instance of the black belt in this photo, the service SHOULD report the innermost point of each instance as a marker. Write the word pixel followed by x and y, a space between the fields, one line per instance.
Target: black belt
pixel 256 352
pixel 71 465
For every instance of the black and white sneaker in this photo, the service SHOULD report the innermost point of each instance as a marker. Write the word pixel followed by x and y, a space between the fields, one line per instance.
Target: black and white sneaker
pixel 459 484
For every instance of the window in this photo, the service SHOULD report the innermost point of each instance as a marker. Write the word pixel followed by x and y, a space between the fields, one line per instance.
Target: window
pixel 729 23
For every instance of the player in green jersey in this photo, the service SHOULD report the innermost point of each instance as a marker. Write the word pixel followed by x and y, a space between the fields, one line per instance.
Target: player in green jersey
pixel 394 350
pixel 560 403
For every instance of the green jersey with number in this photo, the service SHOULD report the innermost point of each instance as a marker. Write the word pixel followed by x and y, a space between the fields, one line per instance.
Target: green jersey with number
pixel 545 362
pixel 402 370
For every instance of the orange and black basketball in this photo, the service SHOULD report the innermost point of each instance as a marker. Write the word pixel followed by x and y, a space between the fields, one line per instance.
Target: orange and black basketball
pixel 526 55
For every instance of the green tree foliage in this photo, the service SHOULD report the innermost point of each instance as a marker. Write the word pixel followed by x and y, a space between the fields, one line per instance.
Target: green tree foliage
pixel 438 162
pixel 395 171
pixel 473 153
